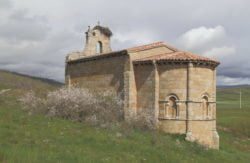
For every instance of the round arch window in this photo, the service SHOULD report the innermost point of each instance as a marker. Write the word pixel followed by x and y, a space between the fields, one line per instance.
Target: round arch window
pixel 205 104
pixel 172 107
pixel 172 102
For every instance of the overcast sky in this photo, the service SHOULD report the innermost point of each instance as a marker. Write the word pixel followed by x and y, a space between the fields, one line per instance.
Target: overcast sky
pixel 36 35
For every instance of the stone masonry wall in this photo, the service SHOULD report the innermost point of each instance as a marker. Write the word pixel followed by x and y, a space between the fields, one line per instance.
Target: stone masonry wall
pixel 144 77
pixel 106 73
pixel 145 86
pixel 93 37
pixel 173 81
pixel 203 82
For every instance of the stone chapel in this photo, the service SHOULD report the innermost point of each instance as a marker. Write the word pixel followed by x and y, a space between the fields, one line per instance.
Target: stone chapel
pixel 178 87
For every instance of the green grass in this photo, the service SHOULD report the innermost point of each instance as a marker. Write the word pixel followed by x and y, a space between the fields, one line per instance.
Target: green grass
pixel 232 118
pixel 25 138
pixel 230 97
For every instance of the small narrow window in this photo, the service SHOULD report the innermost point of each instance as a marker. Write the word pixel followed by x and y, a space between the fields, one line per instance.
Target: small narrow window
pixel 205 105
pixel 173 106
pixel 99 47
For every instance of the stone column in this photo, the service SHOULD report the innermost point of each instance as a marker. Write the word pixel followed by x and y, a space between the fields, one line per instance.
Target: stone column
pixel 214 94
pixel 166 110
pixel 216 138
pixel 156 92
pixel 129 92
pixel 189 136
pixel 177 110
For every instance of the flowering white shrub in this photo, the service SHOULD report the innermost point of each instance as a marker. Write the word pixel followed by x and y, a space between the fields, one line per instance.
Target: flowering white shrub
pixel 77 104
pixel 32 103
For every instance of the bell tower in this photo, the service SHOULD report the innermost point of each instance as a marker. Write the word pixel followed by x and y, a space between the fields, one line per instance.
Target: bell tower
pixel 97 40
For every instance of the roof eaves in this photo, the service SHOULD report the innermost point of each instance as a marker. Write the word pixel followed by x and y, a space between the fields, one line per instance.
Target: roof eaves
pixel 98 56
pixel 210 62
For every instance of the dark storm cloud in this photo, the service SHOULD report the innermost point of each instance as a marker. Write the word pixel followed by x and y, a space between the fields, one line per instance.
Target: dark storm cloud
pixel 44 59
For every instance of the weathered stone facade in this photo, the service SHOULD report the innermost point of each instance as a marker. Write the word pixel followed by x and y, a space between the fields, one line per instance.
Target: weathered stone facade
pixel 178 88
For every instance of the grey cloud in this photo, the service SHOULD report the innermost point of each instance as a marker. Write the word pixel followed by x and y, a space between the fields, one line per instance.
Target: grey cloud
pixel 234 71
pixel 225 80
pixel 62 26
pixel 45 58
pixel 201 38
pixel 5 4
pixel 39 70
pixel 21 26
pixel 233 58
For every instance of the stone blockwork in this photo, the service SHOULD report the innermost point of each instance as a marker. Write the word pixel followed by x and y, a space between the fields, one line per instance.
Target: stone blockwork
pixel 203 119
pixel 188 85
pixel 95 38
pixel 98 74
pixel 177 88
pixel 144 77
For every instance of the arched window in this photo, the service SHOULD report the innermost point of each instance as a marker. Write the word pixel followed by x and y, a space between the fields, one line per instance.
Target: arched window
pixel 172 109
pixel 205 106
pixel 99 47
pixel 173 106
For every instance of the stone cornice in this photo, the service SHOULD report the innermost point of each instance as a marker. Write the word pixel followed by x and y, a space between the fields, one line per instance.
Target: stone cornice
pixel 174 62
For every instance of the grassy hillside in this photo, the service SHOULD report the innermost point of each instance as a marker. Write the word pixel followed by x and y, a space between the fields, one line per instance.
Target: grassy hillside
pixel 230 116
pixel 25 82
pixel 230 96
pixel 25 138
pixel 18 83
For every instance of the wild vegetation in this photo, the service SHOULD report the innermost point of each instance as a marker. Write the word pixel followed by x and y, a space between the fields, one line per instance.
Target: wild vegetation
pixel 231 117
pixel 77 104
pixel 37 138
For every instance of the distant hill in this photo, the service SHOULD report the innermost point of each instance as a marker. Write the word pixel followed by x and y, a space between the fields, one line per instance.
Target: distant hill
pixel 16 81
pixel 229 96
pixel 233 86
pixel 46 80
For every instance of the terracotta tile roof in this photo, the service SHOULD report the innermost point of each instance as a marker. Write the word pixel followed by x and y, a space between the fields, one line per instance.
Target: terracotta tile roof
pixel 114 53
pixel 177 56
pixel 150 46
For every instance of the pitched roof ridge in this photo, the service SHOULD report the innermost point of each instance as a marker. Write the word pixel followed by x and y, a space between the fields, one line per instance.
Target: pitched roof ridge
pixel 171 47
pixel 146 46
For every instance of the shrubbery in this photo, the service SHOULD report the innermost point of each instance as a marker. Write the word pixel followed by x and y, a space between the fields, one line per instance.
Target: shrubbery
pixel 77 104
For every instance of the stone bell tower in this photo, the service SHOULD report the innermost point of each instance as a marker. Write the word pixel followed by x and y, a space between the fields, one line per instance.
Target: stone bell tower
pixel 97 40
